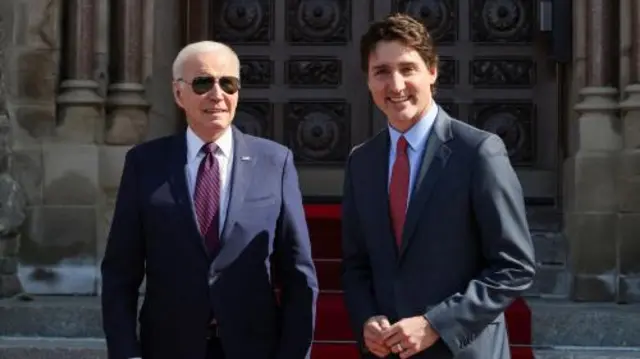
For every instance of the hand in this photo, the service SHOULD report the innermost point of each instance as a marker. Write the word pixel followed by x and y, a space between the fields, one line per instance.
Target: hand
pixel 373 335
pixel 410 336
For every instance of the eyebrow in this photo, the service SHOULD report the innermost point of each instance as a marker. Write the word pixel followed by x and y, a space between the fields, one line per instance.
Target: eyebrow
pixel 401 64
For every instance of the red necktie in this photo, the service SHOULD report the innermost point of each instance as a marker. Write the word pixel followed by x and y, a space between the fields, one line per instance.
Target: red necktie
pixel 399 189
pixel 207 197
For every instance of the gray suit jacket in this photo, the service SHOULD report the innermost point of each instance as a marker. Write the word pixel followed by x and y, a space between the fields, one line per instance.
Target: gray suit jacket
pixel 466 252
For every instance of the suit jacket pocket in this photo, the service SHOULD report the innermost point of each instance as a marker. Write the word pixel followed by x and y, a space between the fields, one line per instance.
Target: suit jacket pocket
pixel 261 201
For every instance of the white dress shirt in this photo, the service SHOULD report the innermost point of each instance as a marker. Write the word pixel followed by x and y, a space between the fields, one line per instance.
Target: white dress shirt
pixel 224 155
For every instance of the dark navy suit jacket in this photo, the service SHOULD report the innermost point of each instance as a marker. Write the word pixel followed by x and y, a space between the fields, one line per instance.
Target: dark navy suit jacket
pixel 154 233
pixel 466 249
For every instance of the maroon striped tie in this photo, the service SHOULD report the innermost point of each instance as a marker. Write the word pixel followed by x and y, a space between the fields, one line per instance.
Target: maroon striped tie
pixel 399 189
pixel 207 197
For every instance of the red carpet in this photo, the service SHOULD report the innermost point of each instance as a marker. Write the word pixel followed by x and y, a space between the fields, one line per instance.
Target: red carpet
pixel 333 335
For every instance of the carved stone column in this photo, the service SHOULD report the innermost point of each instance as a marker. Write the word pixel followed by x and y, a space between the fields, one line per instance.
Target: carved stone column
pixel 80 107
pixel 628 230
pixel 12 215
pixel 126 104
pixel 12 201
pixel 590 191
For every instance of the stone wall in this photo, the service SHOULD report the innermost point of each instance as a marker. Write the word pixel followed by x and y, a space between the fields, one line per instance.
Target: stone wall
pixel 628 173
pixel 58 173
pixel 78 96
pixel 76 100
pixel 602 173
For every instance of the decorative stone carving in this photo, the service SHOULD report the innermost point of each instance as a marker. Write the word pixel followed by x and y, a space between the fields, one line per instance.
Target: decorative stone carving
pixel 3 41
pixel 80 106
pixel 12 198
pixel 12 214
pixel 126 104
pixel 599 96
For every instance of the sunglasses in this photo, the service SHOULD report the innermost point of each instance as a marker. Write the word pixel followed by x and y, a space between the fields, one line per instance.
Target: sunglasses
pixel 203 84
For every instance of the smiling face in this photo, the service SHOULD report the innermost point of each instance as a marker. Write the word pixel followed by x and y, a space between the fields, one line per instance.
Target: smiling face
pixel 400 83
pixel 210 113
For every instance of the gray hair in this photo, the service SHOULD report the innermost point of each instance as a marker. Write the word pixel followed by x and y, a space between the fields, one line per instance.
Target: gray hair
pixel 198 48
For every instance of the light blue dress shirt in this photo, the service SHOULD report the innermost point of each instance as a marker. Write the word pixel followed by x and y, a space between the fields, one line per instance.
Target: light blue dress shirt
pixel 417 137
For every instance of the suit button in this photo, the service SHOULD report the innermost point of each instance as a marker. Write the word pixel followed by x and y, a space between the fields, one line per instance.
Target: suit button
pixel 213 278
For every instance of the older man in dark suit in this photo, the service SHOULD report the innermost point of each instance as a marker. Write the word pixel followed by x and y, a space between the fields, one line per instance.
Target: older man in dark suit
pixel 436 243
pixel 205 215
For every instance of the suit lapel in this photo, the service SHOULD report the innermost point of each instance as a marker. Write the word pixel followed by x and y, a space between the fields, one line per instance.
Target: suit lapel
pixel 380 204
pixel 180 191
pixel 241 177
pixel 432 165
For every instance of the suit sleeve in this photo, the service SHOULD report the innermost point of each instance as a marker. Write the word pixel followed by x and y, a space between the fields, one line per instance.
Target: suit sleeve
pixel 498 206
pixel 123 269
pixel 356 270
pixel 296 270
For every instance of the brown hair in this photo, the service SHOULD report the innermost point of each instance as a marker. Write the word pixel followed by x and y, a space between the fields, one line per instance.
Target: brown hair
pixel 402 28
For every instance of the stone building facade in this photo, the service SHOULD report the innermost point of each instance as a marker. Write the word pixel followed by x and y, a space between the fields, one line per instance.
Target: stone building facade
pixel 84 80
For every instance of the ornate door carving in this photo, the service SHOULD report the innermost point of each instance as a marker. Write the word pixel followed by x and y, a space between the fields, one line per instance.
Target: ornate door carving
pixel 301 83
pixel 495 75
pixel 303 86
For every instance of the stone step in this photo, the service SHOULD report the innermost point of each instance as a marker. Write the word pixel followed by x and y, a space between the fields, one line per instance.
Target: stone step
pixel 587 353
pixel 555 323
pixel 50 316
pixel 93 348
pixel 563 323
pixel 51 348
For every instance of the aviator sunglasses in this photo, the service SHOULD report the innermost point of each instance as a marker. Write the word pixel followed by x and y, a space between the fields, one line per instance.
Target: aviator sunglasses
pixel 204 84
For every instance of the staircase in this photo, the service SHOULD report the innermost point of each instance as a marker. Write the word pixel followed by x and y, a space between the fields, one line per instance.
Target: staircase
pixel 334 338
pixel 70 327
pixel 67 327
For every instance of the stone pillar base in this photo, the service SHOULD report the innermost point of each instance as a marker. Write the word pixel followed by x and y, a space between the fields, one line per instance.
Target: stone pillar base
pixel 80 112
pixel 597 126
pixel 591 202
pixel 126 114
pixel 628 225
pixel 12 215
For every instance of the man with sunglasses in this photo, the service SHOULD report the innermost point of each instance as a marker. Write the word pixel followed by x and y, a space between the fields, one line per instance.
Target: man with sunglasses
pixel 211 217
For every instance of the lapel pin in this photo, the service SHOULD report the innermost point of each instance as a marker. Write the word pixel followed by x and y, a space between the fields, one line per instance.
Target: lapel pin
pixel 245 158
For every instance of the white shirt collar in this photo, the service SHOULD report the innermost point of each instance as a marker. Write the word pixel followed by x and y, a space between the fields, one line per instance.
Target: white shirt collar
pixel 194 144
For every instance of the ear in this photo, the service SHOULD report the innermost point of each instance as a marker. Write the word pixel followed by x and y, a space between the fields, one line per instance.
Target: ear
pixel 177 93
pixel 434 74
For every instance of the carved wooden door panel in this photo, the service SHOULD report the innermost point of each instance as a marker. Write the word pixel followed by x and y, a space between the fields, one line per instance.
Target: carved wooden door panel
pixel 495 75
pixel 300 78
pixel 302 85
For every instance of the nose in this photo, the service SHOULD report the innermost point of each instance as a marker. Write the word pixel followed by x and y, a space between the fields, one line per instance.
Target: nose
pixel 396 82
pixel 215 92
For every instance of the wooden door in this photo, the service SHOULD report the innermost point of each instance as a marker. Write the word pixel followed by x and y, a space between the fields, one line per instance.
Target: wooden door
pixel 302 85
